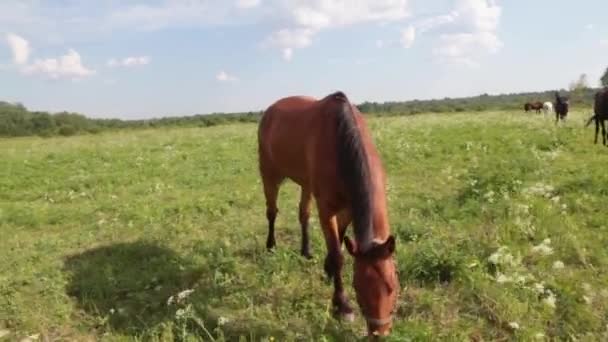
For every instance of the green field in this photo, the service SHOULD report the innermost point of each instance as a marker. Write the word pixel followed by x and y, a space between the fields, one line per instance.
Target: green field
pixel 500 219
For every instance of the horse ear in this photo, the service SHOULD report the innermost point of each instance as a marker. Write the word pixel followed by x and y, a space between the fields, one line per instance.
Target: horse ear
pixel 351 246
pixel 389 245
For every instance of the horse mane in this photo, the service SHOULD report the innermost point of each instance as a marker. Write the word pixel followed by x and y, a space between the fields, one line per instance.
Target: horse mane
pixel 354 168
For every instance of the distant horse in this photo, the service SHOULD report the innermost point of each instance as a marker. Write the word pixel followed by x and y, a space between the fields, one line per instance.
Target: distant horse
pixel 537 106
pixel 561 107
pixel 547 108
pixel 600 108
pixel 325 147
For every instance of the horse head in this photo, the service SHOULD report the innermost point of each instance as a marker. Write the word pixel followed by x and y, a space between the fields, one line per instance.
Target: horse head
pixel 376 283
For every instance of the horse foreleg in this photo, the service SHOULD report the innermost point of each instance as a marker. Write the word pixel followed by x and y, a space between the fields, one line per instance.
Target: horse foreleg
pixel 304 215
pixel 334 262
pixel 603 132
pixel 344 219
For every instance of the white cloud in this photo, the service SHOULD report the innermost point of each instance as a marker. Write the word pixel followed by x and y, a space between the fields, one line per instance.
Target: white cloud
pixel 306 18
pixel 604 42
pixel 291 38
pixel 464 47
pixel 247 3
pixel 437 21
pixel 287 54
pixel 474 24
pixel 379 43
pixel 480 15
pixel 68 66
pixel 129 62
pixel 19 47
pixel 589 26
pixel 408 35
pixel 223 76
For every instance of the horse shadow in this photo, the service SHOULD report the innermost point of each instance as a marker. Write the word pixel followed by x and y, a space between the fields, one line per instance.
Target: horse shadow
pixel 126 285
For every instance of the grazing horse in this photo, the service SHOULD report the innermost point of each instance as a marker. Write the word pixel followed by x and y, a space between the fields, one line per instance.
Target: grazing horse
pixel 547 108
pixel 600 108
pixel 325 147
pixel 561 107
pixel 537 106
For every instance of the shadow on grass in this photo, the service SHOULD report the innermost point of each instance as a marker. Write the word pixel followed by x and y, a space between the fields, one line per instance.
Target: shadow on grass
pixel 129 283
pixel 124 288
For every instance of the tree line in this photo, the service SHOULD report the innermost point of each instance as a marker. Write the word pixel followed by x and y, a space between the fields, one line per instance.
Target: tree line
pixel 17 120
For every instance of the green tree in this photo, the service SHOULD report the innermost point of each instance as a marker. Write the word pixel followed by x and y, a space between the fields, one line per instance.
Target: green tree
pixel 604 78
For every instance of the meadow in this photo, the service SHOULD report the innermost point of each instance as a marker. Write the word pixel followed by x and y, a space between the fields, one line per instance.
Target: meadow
pixel 159 235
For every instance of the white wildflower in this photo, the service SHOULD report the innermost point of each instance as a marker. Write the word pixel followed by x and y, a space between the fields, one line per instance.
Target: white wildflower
pixel 180 313
pixel 550 300
pixel 31 338
pixel 587 287
pixel 179 297
pixel 587 300
pixel 558 265
pixel 222 320
pixel 514 325
pixel 555 199
pixel 520 279
pixel 501 278
pixel 489 196
pixel 495 258
pixel 523 208
pixel 539 336
pixel 501 257
pixel 539 287
pixel 543 248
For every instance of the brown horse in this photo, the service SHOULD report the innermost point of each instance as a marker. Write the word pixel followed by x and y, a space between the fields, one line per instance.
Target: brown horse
pixel 325 147
pixel 533 106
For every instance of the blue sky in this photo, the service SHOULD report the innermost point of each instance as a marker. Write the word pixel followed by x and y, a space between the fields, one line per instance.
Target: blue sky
pixel 139 59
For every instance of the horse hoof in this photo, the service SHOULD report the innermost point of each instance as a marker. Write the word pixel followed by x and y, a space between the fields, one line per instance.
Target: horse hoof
pixel 307 255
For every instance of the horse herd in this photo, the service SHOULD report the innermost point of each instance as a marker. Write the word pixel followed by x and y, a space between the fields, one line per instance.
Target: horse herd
pixel 326 148
pixel 560 107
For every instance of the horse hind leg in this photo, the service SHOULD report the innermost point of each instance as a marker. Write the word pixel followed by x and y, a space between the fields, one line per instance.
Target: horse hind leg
pixel 304 216
pixel 271 191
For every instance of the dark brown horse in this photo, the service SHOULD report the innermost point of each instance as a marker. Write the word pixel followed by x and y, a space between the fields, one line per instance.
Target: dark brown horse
pixel 537 106
pixel 325 147
pixel 600 108
pixel 561 106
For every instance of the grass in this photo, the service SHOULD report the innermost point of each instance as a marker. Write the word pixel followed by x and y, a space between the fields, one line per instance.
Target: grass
pixel 500 219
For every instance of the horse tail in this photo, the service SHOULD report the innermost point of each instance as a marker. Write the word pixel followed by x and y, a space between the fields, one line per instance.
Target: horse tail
pixel 354 169
pixel 590 119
